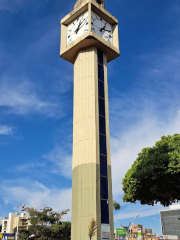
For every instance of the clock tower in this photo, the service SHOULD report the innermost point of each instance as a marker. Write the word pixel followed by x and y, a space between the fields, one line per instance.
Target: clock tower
pixel 89 40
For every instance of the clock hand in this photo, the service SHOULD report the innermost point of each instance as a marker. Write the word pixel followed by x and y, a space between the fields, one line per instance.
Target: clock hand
pixel 102 29
pixel 77 30
pixel 86 23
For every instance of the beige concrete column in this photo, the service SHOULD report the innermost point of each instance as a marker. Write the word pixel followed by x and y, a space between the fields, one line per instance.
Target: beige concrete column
pixel 86 171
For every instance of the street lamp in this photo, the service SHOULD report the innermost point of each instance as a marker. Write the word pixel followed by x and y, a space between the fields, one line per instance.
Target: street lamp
pixel 118 222
pixel 21 208
pixel 133 220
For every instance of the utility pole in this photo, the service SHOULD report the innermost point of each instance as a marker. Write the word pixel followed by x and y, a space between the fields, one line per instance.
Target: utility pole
pixel 21 208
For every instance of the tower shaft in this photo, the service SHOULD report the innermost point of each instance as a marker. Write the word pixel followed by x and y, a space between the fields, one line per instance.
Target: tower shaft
pixel 92 184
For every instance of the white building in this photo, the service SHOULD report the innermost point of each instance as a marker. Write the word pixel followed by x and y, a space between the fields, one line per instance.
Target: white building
pixel 175 207
pixel 7 223
pixel 22 221
pixel 170 221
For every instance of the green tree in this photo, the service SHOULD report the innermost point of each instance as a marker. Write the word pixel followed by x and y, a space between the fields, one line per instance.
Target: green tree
pixel 45 224
pixel 63 230
pixel 116 206
pixel 23 233
pixel 155 175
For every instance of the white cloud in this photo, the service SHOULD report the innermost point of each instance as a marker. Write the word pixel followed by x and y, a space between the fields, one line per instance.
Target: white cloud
pixel 5 201
pixel 20 97
pixel 28 192
pixel 58 161
pixel 62 161
pixel 5 130
pixel 132 210
pixel 140 118
pixel 30 165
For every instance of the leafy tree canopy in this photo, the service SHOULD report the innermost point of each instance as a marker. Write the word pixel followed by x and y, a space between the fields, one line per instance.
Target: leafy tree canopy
pixel 116 206
pixel 45 224
pixel 23 233
pixel 155 175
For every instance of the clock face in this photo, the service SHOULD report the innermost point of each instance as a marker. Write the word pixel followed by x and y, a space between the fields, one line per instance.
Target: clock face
pixel 101 28
pixel 77 28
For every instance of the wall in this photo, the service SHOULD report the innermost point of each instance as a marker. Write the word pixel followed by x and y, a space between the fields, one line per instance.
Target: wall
pixel 170 222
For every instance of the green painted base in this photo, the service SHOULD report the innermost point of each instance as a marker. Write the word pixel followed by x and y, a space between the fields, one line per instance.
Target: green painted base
pixel 86 202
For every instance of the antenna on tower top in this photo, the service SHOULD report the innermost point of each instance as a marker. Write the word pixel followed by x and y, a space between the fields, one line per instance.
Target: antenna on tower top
pixel 100 2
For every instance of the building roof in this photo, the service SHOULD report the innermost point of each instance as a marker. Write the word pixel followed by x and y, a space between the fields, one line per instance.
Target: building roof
pixel 172 208
pixel 175 207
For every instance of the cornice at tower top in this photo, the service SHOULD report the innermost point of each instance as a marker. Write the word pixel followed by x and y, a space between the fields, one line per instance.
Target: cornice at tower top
pixel 79 2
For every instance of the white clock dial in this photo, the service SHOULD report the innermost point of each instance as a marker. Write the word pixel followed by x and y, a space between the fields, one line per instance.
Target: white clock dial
pixel 107 32
pixel 77 28
pixel 96 24
pixel 101 27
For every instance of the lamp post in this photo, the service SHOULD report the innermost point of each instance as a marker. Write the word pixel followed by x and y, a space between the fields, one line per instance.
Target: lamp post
pixel 119 223
pixel 21 208
pixel 133 220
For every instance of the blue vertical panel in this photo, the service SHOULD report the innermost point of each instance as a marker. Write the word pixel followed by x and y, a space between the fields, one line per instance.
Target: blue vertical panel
pixel 102 126
pixel 102 143
pixel 101 89
pixel 100 57
pixel 103 166
pixel 101 107
pixel 104 188
pixel 103 149
pixel 104 212
pixel 100 73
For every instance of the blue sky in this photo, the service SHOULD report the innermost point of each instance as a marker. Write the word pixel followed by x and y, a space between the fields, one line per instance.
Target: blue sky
pixel 36 99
